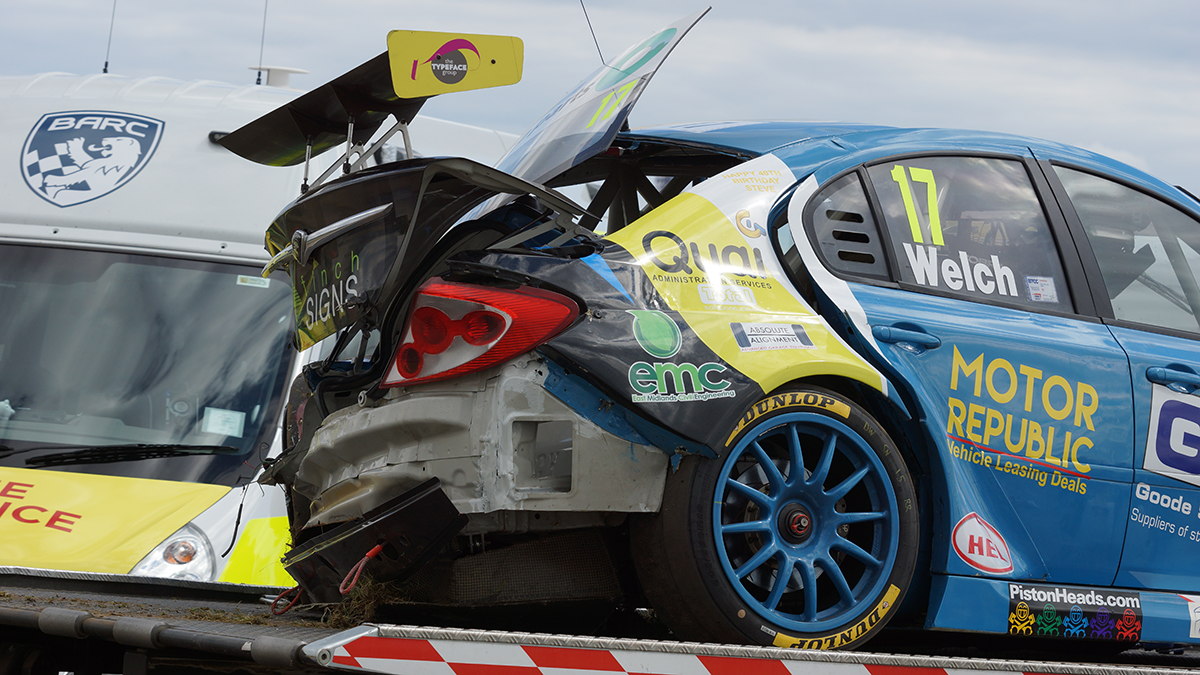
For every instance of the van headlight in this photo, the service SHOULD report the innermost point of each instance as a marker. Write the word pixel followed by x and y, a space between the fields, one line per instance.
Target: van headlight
pixel 186 554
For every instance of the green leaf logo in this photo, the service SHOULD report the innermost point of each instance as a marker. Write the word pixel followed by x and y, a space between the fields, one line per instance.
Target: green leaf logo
pixel 656 333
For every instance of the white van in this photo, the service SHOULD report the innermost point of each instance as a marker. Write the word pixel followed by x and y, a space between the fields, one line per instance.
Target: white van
pixel 143 359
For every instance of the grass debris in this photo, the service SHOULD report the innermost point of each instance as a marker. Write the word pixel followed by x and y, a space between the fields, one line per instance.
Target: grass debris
pixel 363 603
pixel 220 615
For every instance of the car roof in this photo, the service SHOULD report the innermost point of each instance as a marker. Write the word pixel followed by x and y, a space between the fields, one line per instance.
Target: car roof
pixel 808 146
pixel 754 137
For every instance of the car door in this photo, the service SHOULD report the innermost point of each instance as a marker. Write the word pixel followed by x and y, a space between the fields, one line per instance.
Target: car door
pixel 1025 398
pixel 1146 253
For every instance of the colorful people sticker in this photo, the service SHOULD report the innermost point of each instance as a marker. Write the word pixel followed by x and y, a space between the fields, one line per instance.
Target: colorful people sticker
pixel 1102 625
pixel 1048 622
pixel 1075 625
pixel 1020 620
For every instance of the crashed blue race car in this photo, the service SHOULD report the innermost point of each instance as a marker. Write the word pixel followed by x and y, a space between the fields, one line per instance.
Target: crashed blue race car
pixel 810 378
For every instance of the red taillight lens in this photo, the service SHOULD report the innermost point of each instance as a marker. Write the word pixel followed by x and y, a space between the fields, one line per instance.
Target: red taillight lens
pixel 409 361
pixel 431 330
pixel 460 328
pixel 482 327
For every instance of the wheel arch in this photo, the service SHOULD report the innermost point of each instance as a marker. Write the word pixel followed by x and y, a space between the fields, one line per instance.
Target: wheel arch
pixel 895 418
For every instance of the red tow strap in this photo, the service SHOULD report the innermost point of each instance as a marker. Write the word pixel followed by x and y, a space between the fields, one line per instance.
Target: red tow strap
pixel 274 603
pixel 345 587
pixel 348 583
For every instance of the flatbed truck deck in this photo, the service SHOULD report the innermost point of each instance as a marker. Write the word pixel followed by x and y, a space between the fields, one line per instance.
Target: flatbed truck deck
pixel 90 624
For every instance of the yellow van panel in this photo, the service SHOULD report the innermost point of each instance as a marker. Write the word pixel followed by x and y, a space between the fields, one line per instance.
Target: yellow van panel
pixel 90 523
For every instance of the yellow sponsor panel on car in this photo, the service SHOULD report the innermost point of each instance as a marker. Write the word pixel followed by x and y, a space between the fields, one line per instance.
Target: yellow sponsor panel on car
pixel 428 64
pixel 256 558
pixel 91 523
pixel 708 255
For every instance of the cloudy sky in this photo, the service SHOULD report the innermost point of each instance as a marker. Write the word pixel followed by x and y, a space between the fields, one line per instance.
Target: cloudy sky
pixel 1121 78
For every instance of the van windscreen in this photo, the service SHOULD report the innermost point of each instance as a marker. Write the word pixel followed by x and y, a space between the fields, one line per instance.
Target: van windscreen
pixel 143 366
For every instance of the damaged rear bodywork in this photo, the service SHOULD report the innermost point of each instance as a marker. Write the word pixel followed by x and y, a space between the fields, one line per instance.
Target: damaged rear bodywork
pixel 408 280
pixel 503 444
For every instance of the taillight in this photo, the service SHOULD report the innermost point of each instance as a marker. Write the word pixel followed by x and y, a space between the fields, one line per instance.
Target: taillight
pixel 458 328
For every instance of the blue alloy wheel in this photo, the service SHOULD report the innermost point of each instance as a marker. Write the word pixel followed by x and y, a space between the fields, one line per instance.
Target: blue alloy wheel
pixel 805 521
pixel 804 533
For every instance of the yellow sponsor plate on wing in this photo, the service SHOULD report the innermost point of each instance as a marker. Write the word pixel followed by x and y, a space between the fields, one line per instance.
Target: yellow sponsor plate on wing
pixel 428 64
pixel 90 523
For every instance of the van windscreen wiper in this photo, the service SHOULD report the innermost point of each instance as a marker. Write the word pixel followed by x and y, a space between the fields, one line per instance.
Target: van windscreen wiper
pixel 104 454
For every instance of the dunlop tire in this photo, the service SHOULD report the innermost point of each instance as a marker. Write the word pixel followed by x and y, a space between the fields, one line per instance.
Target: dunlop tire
pixel 677 560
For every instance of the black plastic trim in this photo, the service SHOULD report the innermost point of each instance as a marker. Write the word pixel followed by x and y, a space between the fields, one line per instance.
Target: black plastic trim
pixel 1082 294
pixel 884 245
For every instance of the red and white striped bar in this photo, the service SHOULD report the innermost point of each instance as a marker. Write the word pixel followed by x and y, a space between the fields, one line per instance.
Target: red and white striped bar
pixel 408 650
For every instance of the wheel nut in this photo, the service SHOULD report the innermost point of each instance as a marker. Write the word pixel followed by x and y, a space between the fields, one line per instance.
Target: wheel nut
pixel 795 523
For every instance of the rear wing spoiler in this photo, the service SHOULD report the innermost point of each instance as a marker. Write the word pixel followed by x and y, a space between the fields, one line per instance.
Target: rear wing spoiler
pixel 385 224
pixel 350 108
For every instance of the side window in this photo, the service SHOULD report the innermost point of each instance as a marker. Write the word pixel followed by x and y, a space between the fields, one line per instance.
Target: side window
pixel 973 227
pixel 1147 251
pixel 844 230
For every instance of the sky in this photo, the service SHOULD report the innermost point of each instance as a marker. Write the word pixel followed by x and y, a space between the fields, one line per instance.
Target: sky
pixel 1119 78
